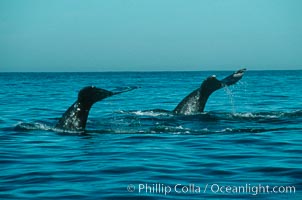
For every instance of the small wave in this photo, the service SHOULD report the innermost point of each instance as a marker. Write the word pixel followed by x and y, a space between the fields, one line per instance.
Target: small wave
pixel 161 121
pixel 266 115
pixel 296 113
pixel 202 131
pixel 42 126
pixel 149 113
pixel 146 113
pixel 33 126
pixel 255 130
pixel 255 115
pixel 179 130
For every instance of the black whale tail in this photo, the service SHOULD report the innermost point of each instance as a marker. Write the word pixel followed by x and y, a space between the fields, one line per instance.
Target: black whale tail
pixel 211 84
pixel 233 78
pixel 75 118
pixel 195 102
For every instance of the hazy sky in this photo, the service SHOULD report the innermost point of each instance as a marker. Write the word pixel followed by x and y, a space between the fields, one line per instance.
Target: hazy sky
pixel 149 35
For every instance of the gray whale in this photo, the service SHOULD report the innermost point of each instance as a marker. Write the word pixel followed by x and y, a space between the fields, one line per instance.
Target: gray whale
pixel 196 100
pixel 75 118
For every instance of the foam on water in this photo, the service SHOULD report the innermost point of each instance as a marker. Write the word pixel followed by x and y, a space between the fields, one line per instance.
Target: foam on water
pixel 163 122
pixel 42 127
pixel 148 113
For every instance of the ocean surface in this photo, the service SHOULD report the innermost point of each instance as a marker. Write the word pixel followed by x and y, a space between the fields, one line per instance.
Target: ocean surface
pixel 246 145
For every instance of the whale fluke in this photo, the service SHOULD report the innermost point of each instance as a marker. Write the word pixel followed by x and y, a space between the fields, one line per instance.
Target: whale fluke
pixel 75 118
pixel 233 78
pixel 195 102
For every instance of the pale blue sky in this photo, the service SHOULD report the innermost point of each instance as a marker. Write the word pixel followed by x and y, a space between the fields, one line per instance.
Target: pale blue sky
pixel 150 35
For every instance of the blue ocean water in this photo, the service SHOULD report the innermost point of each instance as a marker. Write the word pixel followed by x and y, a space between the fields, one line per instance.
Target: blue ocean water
pixel 249 136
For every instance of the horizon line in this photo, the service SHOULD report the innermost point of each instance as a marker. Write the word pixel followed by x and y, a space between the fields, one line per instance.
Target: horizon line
pixel 146 71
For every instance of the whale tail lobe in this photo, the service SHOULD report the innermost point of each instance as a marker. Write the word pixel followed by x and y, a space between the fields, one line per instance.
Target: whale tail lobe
pixel 75 118
pixel 195 102
pixel 233 78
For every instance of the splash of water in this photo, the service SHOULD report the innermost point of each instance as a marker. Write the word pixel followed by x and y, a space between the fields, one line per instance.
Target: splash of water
pixel 230 94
